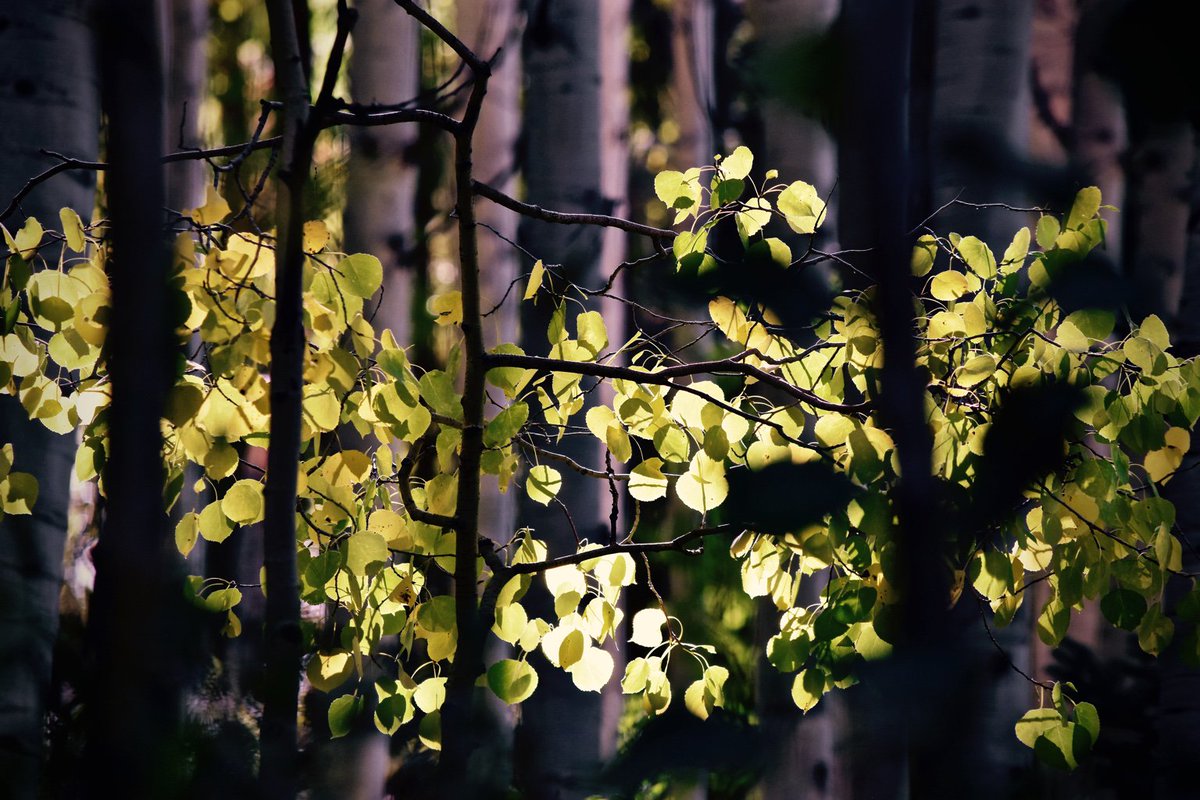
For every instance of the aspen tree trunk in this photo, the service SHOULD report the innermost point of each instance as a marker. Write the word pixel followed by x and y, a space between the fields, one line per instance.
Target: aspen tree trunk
pixel 381 184
pixel 801 149
pixel 614 187
pixel 488 26
pixel 693 84
pixel 563 736
pixel 185 67
pixel 981 103
pixel 379 218
pixel 1099 130
pixel 133 705
pixel 48 99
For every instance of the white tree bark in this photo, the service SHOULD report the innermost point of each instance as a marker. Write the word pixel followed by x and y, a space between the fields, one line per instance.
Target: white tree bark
pixel 382 181
pixel 564 735
pixel 981 109
pixel 48 99
pixel 693 85
pixel 379 218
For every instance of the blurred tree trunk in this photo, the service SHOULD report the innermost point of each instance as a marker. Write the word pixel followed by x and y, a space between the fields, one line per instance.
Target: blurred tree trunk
pixel 381 183
pixel 133 705
pixel 1099 131
pixel 490 26
pixel 801 148
pixel 564 734
pixel 980 124
pixel 796 144
pixel 693 83
pixel 185 68
pixel 48 99
pixel 380 219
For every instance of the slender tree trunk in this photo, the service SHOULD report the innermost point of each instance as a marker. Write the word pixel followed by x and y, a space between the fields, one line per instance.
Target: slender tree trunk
pixel 133 705
pixel 562 737
pixel 278 772
pixel 981 106
pixel 379 218
pixel 185 66
pixel 48 99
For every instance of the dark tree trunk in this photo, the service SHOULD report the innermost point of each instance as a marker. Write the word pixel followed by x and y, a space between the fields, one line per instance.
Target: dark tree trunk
pixel 48 99
pixel 133 702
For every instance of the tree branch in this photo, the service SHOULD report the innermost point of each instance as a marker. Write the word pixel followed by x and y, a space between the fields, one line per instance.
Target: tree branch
pixel 663 377
pixel 563 218
pixel 679 544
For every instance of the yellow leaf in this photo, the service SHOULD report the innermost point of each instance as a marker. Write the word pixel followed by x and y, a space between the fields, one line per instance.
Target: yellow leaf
pixel 447 308
pixel 72 229
pixel 214 209
pixel 535 280
pixel 316 236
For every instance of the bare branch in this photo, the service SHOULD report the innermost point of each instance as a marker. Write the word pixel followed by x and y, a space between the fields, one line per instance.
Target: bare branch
pixel 562 218
pixel 663 377
pixel 679 544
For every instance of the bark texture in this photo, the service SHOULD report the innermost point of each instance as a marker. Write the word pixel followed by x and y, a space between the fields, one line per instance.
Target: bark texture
pixel 563 736
pixel 49 98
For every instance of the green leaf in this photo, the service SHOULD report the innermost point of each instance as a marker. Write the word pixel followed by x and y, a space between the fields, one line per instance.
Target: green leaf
pixel 923 256
pixel 543 484
pixel 593 670
pixel 1047 231
pixel 363 549
pixel 361 274
pixel 647 481
pixel 72 227
pixel 512 681
pixel 327 671
pixel 738 163
pixel 948 285
pixel 647 627
pixel 978 256
pixel 187 531
pixel 801 206
pixel 808 688
pixel 704 486
pixel 535 280
pixel 214 525
pixel 1086 205
pixel 505 425
pixel 243 503
pixel 1015 253
pixel 1155 631
pixel 437 389
pixel 772 249
pixel 1035 723
pixel 342 713
pixel 976 370
pixel 1123 608
pixel 571 649
pixel 20 495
